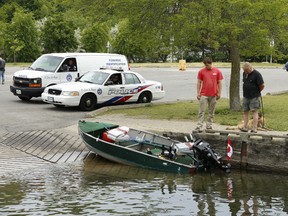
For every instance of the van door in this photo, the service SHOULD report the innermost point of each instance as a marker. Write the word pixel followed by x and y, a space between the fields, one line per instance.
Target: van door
pixel 68 71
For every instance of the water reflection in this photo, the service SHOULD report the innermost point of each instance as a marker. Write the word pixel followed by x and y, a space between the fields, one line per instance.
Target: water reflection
pixel 10 193
pixel 100 187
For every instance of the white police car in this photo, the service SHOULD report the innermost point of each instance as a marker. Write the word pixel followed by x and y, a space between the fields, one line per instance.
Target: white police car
pixel 104 87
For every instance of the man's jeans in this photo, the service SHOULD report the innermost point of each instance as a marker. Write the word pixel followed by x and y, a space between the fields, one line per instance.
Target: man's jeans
pixel 204 100
pixel 2 76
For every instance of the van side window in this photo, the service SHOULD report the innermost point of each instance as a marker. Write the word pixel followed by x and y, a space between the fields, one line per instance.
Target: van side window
pixel 69 64
pixel 131 79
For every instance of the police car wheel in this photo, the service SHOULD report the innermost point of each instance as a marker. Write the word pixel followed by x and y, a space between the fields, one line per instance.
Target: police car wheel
pixel 88 102
pixel 145 97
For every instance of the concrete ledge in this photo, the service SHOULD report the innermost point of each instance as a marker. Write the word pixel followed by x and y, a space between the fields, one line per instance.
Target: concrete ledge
pixel 259 152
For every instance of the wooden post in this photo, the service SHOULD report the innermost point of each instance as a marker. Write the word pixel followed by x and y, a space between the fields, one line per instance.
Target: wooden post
pixel 244 155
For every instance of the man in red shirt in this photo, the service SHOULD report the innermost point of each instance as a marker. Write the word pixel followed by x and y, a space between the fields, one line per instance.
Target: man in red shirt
pixel 209 88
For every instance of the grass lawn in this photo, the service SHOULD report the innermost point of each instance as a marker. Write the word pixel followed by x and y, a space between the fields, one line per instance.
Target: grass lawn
pixel 200 64
pixel 275 108
pixel 18 64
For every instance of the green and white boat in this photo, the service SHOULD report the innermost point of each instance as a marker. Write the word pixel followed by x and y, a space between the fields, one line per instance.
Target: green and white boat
pixel 148 150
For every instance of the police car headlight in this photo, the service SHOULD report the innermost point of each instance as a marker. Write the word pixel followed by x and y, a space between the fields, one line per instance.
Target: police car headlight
pixel 70 93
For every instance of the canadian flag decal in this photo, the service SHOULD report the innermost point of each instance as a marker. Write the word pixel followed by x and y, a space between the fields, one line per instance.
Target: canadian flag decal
pixel 229 149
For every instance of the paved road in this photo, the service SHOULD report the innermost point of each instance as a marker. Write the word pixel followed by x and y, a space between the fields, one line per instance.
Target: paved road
pixel 182 85
pixel 17 115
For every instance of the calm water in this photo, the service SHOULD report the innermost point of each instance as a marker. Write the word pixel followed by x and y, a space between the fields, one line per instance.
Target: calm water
pixel 99 187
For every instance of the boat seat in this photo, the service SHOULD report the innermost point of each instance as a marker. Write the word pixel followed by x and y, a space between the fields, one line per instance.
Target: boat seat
pixel 127 143
pixel 140 139
pixel 132 145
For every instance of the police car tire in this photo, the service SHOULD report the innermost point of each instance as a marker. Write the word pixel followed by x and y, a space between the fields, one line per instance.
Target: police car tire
pixel 88 102
pixel 25 98
pixel 145 97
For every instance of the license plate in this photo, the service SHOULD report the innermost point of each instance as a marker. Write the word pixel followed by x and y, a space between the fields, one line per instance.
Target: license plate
pixel 50 99
pixel 18 91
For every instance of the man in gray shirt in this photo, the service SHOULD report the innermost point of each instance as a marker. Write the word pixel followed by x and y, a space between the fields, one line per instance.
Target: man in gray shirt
pixel 253 84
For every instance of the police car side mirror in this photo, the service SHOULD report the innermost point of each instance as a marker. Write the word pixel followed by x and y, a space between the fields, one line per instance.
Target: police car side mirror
pixel 77 79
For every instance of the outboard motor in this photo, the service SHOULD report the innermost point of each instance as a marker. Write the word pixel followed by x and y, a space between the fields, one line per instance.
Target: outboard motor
pixel 207 156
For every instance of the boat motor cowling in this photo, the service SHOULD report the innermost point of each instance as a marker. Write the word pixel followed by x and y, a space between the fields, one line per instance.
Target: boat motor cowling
pixel 207 156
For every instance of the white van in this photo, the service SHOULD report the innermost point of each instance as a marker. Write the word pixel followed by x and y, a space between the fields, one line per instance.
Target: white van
pixel 55 68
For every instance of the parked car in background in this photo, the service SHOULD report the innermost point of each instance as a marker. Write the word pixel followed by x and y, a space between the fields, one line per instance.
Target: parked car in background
pixel 104 87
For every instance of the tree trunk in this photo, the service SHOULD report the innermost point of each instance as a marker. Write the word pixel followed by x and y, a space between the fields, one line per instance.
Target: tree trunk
pixel 234 95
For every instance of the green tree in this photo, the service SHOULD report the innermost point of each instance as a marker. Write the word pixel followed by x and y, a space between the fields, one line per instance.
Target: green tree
pixel 137 48
pixel 148 28
pixel 7 11
pixel 58 35
pixel 38 7
pixel 95 38
pixel 21 37
pixel 2 41
pixel 248 31
pixel 274 17
pixel 195 27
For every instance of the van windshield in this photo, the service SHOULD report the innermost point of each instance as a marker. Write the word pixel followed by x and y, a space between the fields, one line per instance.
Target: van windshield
pixel 46 63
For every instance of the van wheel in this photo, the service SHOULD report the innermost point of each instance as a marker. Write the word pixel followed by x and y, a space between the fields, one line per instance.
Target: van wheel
pixel 145 97
pixel 88 102
pixel 25 98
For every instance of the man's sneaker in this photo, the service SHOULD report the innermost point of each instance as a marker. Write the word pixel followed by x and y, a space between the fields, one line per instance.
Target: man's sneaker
pixel 197 130
pixel 253 131
pixel 209 127
pixel 243 129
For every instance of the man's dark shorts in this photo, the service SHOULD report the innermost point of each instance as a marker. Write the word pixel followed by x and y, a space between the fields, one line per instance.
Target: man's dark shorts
pixel 251 104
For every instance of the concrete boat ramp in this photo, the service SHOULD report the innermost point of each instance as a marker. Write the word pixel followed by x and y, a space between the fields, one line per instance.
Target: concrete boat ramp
pixel 22 150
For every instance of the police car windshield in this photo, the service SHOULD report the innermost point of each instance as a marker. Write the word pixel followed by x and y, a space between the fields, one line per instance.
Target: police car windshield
pixel 96 77
pixel 46 63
